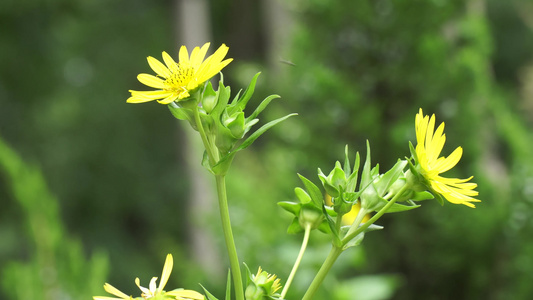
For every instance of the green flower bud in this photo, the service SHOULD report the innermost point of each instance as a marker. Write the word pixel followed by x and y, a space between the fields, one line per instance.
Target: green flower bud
pixel 262 286
pixel 310 215
pixel 209 98
pixel 236 125
pixel 335 181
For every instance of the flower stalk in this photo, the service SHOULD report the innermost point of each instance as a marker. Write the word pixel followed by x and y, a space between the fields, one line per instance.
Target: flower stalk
pixel 307 232
pixel 228 237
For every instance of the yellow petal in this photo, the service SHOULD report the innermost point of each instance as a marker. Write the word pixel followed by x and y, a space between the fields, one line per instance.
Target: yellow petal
pixel 169 61
pixel 184 55
pixel 437 143
pixel 167 269
pixel 187 294
pixel 151 81
pixel 450 161
pixel 169 99
pixel 198 55
pixel 158 67
pixel 113 290
pixel 429 132
pixel 150 95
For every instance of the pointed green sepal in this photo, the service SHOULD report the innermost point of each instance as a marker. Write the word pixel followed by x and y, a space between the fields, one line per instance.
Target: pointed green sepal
pixel 208 294
pixel 293 208
pixel 313 191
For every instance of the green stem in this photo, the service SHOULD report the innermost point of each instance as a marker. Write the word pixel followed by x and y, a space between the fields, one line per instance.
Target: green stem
pixel 324 269
pixel 212 153
pixel 360 216
pixel 351 235
pixel 297 262
pixel 228 237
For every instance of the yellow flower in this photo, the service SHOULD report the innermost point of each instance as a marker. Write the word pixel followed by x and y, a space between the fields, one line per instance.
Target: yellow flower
pixel 154 292
pixel 349 217
pixel 175 81
pixel 430 165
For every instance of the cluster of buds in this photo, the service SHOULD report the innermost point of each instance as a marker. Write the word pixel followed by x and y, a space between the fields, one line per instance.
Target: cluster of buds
pixel 224 123
pixel 369 195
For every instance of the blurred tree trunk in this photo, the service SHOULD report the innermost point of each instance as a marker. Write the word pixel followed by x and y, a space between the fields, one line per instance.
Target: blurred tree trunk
pixel 193 29
pixel 277 24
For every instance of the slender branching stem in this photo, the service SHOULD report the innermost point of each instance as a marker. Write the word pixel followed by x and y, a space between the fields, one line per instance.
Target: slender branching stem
pixel 297 262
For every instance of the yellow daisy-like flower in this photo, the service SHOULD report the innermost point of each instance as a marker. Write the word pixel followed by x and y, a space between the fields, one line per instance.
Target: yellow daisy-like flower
pixel 175 81
pixel 429 146
pixel 154 292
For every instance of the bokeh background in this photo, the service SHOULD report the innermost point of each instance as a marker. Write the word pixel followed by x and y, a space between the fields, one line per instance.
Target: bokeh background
pixel 95 190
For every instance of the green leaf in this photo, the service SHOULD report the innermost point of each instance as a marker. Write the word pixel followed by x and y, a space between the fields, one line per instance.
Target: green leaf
pixel 332 227
pixel 262 106
pixel 223 98
pixel 208 294
pixel 302 195
pixel 236 126
pixel 206 164
pixel 365 177
pixel 413 152
pixel 351 182
pixel 358 239
pixel 324 228
pixel 439 198
pixel 420 196
pixel 260 131
pixel 330 189
pixel 313 190
pixel 241 104
pixel 222 166
pixel 228 286
pixel 180 113
pixel 390 177
pixel 209 98
pixel 395 207
pixel 337 176
pixel 293 208
pixel 295 227
pixel 248 275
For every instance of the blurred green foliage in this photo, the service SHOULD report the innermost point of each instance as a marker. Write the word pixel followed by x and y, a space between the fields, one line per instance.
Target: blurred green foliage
pixel 362 69
pixel 57 268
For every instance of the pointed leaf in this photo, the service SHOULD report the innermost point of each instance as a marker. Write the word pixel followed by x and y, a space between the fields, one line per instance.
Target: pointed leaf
pixel 420 196
pixel 208 294
pixel 262 106
pixel 314 191
pixel 260 131
pixel 228 286
pixel 293 208
pixel 365 177
pixel 241 105
pixel 302 195
pixel 333 228
pixel 295 227
pixel 390 177
pixel 347 168
pixel 351 182
pixel 180 113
